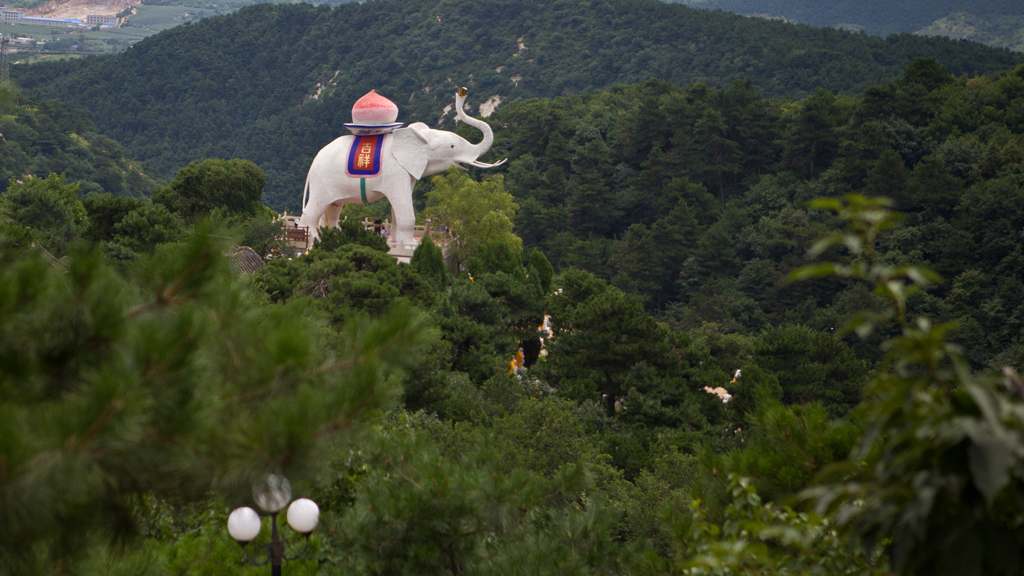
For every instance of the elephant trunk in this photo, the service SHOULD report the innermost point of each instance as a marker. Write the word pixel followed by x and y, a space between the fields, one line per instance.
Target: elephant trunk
pixel 480 125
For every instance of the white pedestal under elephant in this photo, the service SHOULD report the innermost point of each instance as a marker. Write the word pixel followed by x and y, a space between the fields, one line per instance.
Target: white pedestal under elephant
pixel 406 155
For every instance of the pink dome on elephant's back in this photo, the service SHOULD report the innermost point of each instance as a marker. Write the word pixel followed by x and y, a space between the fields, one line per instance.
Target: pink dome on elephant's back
pixel 374 108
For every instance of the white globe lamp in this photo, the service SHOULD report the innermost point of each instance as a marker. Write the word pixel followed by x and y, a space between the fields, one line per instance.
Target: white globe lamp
pixel 274 494
pixel 303 515
pixel 244 525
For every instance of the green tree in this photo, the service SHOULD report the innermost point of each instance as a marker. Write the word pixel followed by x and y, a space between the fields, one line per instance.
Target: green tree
pixel 49 206
pixel 173 386
pixel 721 155
pixel 752 537
pixel 475 212
pixel 263 232
pixel 201 187
pixel 592 206
pixel 428 260
pixel 610 334
pixel 350 280
pixel 812 367
pixel 574 287
pixel 476 325
pixel 648 260
pixel 496 256
pixel 540 267
pixel 938 473
pixel 423 511
pixel 811 140
pixel 788 448
pixel 349 232
pixel 523 306
pixel 148 226
pixel 105 212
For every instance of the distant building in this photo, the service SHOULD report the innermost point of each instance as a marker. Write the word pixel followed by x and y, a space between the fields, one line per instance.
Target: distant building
pixel 11 15
pixel 99 19
pixel 68 22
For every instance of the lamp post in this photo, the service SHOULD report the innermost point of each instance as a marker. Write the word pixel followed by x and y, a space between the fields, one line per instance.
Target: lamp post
pixel 272 496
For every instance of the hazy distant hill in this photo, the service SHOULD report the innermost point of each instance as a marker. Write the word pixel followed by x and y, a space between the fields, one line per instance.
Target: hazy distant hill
pixel 876 16
pixel 999 30
pixel 274 83
pixel 219 6
pixel 996 22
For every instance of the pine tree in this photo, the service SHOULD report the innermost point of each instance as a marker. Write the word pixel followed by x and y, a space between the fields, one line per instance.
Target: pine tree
pixel 349 232
pixel 233 185
pixel 428 260
pixel 496 256
pixel 811 140
pixel 175 385
pixel 611 333
pixel 425 508
pixel 540 267
pixel 50 206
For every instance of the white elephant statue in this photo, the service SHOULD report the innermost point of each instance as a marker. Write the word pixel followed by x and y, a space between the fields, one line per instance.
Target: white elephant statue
pixel 407 154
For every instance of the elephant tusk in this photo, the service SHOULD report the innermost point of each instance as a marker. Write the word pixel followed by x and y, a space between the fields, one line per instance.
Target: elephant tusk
pixel 479 164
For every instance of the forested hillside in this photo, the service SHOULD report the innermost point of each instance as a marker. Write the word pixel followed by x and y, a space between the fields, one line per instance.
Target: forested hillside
pixel 44 137
pixel 694 198
pixel 274 83
pixel 754 366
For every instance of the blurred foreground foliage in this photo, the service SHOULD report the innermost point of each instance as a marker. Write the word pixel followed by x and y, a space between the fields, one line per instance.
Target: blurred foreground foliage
pixel 174 381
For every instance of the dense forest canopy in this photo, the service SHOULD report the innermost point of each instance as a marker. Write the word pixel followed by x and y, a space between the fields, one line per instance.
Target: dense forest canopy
pixel 638 440
pixel 693 198
pixel 274 83
pixel 45 137
pixel 781 333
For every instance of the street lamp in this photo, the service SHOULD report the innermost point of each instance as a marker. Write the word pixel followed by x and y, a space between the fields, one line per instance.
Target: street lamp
pixel 272 497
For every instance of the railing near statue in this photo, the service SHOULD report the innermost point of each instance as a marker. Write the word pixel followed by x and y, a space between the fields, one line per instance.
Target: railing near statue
pixel 299 238
pixel 418 232
pixel 298 235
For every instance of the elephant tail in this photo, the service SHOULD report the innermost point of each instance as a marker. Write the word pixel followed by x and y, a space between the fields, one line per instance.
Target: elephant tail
pixel 305 193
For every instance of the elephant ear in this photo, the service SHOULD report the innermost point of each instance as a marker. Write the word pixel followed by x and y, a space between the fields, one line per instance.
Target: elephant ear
pixel 409 145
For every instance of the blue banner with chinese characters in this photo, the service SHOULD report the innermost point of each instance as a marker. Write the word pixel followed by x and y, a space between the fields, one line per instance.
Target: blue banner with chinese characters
pixel 364 156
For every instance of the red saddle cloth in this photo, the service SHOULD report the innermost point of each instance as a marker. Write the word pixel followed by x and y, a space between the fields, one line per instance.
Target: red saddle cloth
pixel 364 156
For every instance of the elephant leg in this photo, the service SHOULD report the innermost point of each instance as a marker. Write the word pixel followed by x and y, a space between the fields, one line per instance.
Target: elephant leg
pixel 311 217
pixel 332 215
pixel 404 216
